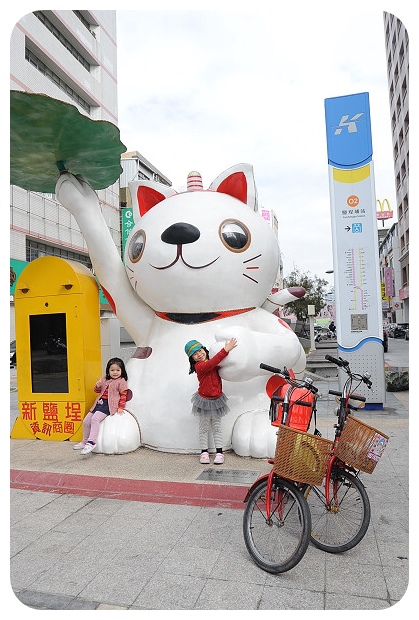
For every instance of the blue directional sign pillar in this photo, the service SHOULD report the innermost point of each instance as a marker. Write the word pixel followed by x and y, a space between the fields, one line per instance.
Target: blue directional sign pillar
pixel 355 241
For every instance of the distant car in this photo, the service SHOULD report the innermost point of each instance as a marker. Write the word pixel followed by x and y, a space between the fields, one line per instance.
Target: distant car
pixel 13 354
pixel 399 330
pixel 389 329
pixel 385 341
pixel 406 333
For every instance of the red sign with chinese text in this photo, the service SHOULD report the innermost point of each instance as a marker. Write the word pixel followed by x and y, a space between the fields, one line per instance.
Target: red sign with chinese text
pixel 54 420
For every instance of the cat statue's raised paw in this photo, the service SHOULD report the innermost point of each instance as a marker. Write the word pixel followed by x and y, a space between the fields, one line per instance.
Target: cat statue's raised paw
pixel 198 264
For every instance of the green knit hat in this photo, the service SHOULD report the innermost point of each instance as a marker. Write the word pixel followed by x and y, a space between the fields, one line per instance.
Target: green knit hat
pixel 192 347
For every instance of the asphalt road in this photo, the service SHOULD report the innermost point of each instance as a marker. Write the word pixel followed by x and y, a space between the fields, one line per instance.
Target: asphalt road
pixel 397 356
pixel 398 353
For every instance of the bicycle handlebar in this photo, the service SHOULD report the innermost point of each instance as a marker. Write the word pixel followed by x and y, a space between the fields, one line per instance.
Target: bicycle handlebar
pixel 352 395
pixel 359 397
pixel 367 381
pixel 340 362
pixel 277 371
pixel 285 375
pixel 345 365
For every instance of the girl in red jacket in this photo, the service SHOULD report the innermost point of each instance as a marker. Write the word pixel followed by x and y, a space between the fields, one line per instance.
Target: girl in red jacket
pixel 112 390
pixel 209 402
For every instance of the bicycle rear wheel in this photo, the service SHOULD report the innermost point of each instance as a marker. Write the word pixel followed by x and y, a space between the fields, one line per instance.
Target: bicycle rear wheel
pixel 343 524
pixel 279 543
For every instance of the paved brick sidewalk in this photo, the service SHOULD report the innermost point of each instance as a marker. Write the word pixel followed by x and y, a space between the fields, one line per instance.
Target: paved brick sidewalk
pixel 89 551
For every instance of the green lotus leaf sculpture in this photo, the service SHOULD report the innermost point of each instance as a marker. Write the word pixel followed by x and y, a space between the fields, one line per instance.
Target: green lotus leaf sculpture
pixel 48 136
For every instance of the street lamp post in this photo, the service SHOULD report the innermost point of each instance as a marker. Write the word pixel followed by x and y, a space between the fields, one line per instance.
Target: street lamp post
pixel 311 311
pixel 333 314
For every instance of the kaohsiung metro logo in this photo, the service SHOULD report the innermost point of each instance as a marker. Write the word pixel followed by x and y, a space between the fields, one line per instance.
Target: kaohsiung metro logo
pixel 352 201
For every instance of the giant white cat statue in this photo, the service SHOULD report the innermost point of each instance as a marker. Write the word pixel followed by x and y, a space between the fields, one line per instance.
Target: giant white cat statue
pixel 198 264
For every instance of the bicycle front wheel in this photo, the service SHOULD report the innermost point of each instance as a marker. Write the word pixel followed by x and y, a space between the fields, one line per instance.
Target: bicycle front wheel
pixel 277 544
pixel 344 523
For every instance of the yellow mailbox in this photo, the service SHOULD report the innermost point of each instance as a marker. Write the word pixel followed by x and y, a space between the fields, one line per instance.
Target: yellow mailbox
pixel 58 348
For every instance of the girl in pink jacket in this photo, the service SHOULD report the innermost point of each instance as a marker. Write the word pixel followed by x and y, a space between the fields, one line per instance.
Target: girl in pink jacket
pixel 112 390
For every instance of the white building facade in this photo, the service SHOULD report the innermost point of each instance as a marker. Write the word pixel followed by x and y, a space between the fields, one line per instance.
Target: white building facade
pixel 389 254
pixel 397 53
pixel 70 56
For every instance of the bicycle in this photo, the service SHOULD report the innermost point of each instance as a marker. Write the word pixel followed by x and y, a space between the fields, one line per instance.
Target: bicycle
pixel 340 509
pixel 277 519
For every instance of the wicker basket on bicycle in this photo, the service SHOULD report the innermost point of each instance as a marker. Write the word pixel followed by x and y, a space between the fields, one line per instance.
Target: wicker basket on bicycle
pixel 300 456
pixel 360 445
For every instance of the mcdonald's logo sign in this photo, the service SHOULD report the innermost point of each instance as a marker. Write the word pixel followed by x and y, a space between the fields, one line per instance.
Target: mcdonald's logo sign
pixel 382 214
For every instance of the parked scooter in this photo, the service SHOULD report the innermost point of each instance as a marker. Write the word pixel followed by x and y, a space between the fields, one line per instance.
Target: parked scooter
pixel 326 334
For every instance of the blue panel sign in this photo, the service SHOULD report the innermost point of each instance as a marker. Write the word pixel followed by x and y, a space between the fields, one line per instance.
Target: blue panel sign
pixel 348 130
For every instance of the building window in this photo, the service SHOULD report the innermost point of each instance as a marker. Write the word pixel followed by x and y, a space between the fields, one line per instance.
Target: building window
pixel 42 68
pixel 406 123
pixel 36 249
pixel 401 54
pixel 84 22
pixel 401 138
pixel 396 73
pixel 404 89
pixel 393 122
pixel 393 44
pixel 65 42
pixel 398 106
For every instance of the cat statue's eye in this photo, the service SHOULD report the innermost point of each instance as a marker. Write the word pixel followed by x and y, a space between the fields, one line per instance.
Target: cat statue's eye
pixel 234 235
pixel 136 246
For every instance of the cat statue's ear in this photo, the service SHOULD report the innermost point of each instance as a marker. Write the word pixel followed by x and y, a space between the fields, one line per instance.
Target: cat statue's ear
pixel 239 182
pixel 146 194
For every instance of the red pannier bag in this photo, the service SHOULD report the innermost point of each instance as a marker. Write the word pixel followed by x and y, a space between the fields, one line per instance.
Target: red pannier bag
pixel 299 415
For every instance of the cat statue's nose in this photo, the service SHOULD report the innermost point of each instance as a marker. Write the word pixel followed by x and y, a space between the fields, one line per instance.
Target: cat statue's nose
pixel 180 233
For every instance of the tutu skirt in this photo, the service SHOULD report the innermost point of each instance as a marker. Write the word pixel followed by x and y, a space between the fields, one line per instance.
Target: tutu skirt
pixel 213 407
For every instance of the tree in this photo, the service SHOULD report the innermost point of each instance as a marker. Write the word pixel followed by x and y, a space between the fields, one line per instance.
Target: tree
pixel 315 293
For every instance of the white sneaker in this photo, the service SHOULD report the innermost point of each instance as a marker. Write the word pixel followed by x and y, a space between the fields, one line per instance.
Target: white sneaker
pixel 219 458
pixel 88 448
pixel 79 446
pixel 204 458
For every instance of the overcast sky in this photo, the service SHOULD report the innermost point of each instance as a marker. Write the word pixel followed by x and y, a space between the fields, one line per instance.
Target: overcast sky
pixel 207 89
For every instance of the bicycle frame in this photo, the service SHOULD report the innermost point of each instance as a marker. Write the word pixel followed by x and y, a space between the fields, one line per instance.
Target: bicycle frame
pixel 268 477
pixel 335 517
pixel 285 409
pixel 343 411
